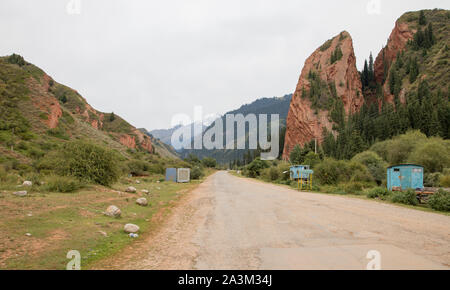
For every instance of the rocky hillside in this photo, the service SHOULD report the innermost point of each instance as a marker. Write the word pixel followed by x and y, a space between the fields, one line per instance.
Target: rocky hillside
pixel 37 112
pixel 328 82
pixel 417 50
pixel 160 147
pixel 407 87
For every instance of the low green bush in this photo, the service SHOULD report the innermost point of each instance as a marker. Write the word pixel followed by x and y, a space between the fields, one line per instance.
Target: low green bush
pixel 379 192
pixel 440 201
pixel 406 197
pixel 55 183
pixel 445 180
pixel 354 187
pixel 83 160
pixel 196 172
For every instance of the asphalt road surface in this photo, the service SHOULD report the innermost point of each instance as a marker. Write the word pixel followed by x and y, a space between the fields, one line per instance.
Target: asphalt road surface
pixel 230 222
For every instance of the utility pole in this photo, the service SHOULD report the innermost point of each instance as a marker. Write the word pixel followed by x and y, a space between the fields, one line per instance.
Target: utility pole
pixel 315 145
pixel 12 143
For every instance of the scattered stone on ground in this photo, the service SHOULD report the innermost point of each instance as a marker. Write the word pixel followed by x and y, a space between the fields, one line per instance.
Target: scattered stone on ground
pixel 103 233
pixel 27 183
pixel 28 234
pixel 20 193
pixel 113 211
pixel 131 189
pixel 131 228
pixel 142 201
pixel 145 191
pixel 138 182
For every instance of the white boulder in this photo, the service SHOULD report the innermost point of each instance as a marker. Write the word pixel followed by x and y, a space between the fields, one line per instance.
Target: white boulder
pixel 27 183
pixel 113 211
pixel 20 193
pixel 131 189
pixel 142 201
pixel 131 228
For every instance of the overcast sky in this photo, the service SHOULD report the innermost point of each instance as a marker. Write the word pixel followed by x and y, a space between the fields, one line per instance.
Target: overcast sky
pixel 148 60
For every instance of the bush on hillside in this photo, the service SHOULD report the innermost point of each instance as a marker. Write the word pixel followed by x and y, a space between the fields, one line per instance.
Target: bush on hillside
pixel 434 155
pixel 332 172
pixel 379 193
pixel 255 168
pixel 445 180
pixel 63 184
pixel 85 161
pixel 406 197
pixel 196 172
pixel 398 149
pixel 374 163
pixel 270 174
pixel 440 201
pixel 432 179
pixel 209 162
pixel 328 171
pixel 90 163
pixel 312 159
pixel 138 167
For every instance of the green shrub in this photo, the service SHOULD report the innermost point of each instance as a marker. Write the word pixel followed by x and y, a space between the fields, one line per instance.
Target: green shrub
pixel 434 155
pixel 89 162
pixel 445 180
pixel 379 193
pixel 138 167
pixel 209 162
pixel 64 184
pixel 270 174
pixel 406 197
pixel 255 167
pixel 196 172
pixel 328 171
pixel 440 201
pixel 432 179
pixel 352 187
pixel 374 163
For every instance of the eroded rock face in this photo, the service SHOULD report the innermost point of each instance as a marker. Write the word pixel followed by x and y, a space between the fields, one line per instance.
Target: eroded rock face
pixel 305 123
pixel 45 102
pixel 396 43
pixel 132 141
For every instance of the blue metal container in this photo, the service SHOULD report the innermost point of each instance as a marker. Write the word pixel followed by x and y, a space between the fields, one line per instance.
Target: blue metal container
pixel 171 174
pixel 300 171
pixel 404 177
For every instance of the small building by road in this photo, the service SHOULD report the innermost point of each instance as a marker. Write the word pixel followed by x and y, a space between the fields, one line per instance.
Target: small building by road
pixel 405 176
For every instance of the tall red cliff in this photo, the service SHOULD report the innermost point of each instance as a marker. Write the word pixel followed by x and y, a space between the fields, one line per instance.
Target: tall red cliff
pixel 306 122
pixel 397 41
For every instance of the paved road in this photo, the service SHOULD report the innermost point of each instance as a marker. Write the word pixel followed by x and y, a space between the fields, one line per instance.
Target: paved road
pixel 235 223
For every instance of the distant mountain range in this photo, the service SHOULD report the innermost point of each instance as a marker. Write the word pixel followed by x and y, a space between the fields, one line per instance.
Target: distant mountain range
pixel 275 105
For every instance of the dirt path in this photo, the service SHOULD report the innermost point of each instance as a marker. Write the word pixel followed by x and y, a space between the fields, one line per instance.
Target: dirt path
pixel 234 223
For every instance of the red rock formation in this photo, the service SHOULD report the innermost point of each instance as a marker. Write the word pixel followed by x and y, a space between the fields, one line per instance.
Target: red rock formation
pixel 303 124
pixel 144 141
pixel 128 141
pixel 44 101
pixel 131 142
pixel 396 43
